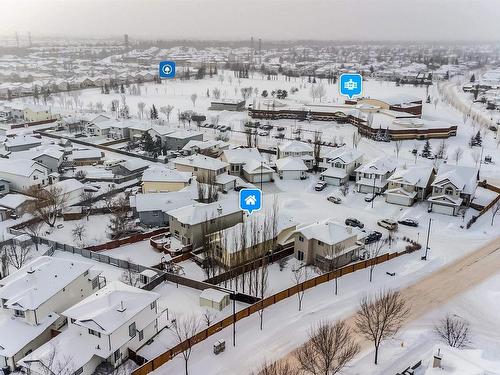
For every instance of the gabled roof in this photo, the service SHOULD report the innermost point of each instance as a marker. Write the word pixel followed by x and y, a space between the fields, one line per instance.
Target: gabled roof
pixel 291 164
pixel 161 201
pixel 201 161
pixel 13 201
pixel 24 140
pixel 295 146
pixel 381 165
pixel 38 281
pixel 418 176
pixel 253 166
pixel 344 155
pixel 163 174
pixel 200 212
pixel 20 167
pixel 112 306
pixel 327 231
pixel 242 155
pixel 463 178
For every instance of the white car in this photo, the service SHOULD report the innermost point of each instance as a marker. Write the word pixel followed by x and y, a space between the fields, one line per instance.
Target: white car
pixel 388 224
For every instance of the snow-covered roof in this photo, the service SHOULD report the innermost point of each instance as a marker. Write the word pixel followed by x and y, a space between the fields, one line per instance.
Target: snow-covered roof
pixel 344 155
pixel 161 201
pixel 253 166
pixel 38 281
pixel 225 178
pixel 327 231
pixel 16 333
pixel 201 145
pixel 183 134
pixel 334 172
pixel 418 176
pixel 33 153
pixel 291 164
pixel 463 178
pixel 379 166
pixel 110 307
pixel 134 164
pixel 200 212
pixel 24 140
pixel 86 154
pixel 13 201
pixel 20 167
pixel 399 99
pixel 68 186
pixel 163 174
pixel 295 146
pixel 213 295
pixel 242 155
pixel 201 161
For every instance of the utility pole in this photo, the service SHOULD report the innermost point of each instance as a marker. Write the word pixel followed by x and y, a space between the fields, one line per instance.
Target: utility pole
pixel 427 242
pixel 261 165
pixel 373 190
pixel 234 318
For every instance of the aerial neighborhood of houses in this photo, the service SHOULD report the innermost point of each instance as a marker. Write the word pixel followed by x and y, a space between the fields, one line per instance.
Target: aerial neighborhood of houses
pixel 123 243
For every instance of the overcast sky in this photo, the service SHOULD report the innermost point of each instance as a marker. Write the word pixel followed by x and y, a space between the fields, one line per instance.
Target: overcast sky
pixel 267 19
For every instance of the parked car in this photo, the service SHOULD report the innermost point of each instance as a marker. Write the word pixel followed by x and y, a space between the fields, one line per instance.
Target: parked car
pixel 388 224
pixel 372 237
pixel 408 222
pixel 369 197
pixel 334 199
pixel 281 128
pixel 352 222
pixel 321 185
pixel 238 188
pixel 264 133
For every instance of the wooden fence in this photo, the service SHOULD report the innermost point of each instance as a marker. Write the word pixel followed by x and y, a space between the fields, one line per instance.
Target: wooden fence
pixel 485 209
pixel 163 358
pixel 127 240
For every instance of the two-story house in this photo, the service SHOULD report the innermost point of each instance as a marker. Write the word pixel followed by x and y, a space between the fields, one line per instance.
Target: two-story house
pixel 323 242
pixel 297 149
pixel 190 224
pixel 206 169
pixel 406 186
pixel 23 174
pixel 339 165
pixel 101 328
pixel 453 187
pixel 32 299
pixel 248 163
pixel 372 177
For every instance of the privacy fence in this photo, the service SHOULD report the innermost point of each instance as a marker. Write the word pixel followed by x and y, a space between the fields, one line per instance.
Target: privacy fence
pixel 163 358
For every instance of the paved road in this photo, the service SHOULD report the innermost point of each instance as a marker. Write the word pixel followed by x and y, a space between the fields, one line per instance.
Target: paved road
pixel 439 287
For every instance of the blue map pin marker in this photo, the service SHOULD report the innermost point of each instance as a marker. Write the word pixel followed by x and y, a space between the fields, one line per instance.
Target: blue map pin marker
pixel 351 85
pixel 250 200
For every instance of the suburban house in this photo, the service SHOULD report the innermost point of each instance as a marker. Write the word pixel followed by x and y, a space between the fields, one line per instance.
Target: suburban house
pixel 86 156
pixel 71 190
pixel 247 240
pixel 453 187
pixel 189 224
pixel 406 186
pixel 50 157
pixel 22 143
pixel 152 208
pixel 4 187
pixel 205 168
pixel 32 299
pixel 340 165
pixel 23 173
pixel 326 241
pixel 297 149
pixel 130 167
pixel 257 171
pixel 159 179
pixel 291 168
pixel 175 139
pixel 16 204
pixel 101 328
pixel 209 148
pixel 372 177
pixel 248 163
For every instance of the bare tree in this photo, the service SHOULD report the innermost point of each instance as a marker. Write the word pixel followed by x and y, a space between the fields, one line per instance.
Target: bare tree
pixel 129 276
pixel 209 317
pixel 4 264
pixel 317 149
pixel 183 329
pixel 18 254
pixel 166 110
pixel 454 331
pixel 441 151
pixel 278 368
pixel 329 349
pixel 397 146
pixel 299 275
pixel 381 317
pixel 119 223
pixel 140 108
pixel 86 198
pixel 194 97
pixel 332 258
pixel 372 252
pixel 48 203
pixel 78 232
pixel 33 229
pixel 476 156
pixel 356 138
pixel 457 154
pixel 54 362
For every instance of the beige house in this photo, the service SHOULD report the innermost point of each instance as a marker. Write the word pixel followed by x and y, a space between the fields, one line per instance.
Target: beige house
pixel 205 168
pixel 372 177
pixel 190 224
pixel 323 242
pixel 409 185
pixel 159 179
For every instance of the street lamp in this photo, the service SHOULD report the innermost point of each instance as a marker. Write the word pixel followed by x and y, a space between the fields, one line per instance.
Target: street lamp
pixel 427 242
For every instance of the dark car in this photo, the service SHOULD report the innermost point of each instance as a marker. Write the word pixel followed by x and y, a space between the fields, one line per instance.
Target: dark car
pixel 354 223
pixel 281 128
pixel 373 237
pixel 408 222
pixel 238 188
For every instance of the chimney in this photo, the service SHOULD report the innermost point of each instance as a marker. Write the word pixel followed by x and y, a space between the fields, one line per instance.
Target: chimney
pixel 437 360
pixel 122 307
pixel 219 209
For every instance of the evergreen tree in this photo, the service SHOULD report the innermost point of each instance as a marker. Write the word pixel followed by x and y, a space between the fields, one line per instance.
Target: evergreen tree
pixel 428 99
pixel 426 152
pixel 154 112
pixel 147 143
pixel 122 89
pixel 478 140
pixel 473 78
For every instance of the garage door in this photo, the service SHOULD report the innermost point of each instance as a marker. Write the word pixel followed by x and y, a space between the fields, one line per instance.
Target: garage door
pixel 448 210
pixel 266 177
pixel 398 199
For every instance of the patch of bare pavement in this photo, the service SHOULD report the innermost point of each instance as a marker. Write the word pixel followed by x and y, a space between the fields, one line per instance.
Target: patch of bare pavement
pixel 442 285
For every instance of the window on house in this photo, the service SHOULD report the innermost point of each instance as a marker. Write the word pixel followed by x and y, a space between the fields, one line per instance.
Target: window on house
pixel 117 355
pixel 195 169
pixel 19 313
pixel 79 371
pixel 132 330
pixel 320 243
pixel 2 187
pixel 448 191
pixel 95 333
pixel 95 283
pixel 35 177
pixel 141 335
pixel 300 255
pixel 153 305
pixel 86 273
pixel 301 239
